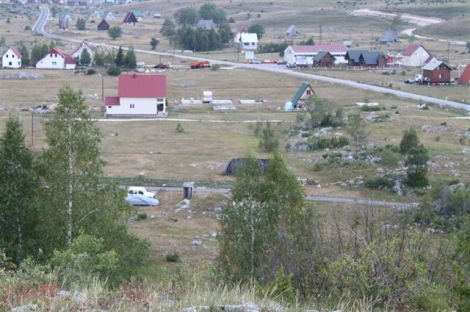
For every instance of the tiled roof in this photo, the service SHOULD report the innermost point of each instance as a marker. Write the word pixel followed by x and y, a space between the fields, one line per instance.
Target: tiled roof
pixel 142 85
pixel 111 101
pixel 412 48
pixel 434 64
pixel 17 53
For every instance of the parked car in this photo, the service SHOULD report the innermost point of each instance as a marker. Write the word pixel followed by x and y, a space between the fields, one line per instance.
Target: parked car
pixel 141 200
pixel 291 65
pixel 199 64
pixel 140 190
pixel 255 62
pixel 282 63
pixel 163 65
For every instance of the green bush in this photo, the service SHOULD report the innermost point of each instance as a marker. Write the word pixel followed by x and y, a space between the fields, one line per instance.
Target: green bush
pixel 319 143
pixel 142 216
pixel 179 128
pixel 367 108
pixel 91 71
pixel 172 257
pixel 114 71
pixel 378 183
pixel 215 67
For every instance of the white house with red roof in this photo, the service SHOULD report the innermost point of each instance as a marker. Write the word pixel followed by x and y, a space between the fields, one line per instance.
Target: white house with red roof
pixel 248 41
pixel 237 34
pixel 304 54
pixel 56 60
pixel 78 51
pixel 138 95
pixel 11 58
pixel 415 55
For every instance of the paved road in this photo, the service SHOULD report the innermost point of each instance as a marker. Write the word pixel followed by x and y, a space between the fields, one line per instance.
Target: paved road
pixel 40 24
pixel 342 200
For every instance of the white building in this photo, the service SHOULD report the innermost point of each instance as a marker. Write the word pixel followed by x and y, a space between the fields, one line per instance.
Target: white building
pixel 78 51
pixel 248 41
pixel 11 58
pixel 415 55
pixel 304 54
pixel 56 60
pixel 138 95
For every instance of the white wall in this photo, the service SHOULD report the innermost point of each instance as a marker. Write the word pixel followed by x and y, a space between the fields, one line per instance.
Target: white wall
pixel 10 60
pixel 51 61
pixel 141 106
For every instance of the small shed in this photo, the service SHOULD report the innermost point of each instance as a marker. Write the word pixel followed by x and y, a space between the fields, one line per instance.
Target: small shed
pixel 324 59
pixel 389 37
pixel 292 31
pixel 436 72
pixel 103 26
pixel 235 163
pixel 231 21
pixel 129 19
pixel 304 92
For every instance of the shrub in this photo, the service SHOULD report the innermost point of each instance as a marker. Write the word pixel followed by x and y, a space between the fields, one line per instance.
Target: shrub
pixel 409 140
pixel 378 183
pixel 318 143
pixel 179 128
pixel 376 108
pixel 142 216
pixel 215 67
pixel 172 257
pixel 114 71
pixel 91 71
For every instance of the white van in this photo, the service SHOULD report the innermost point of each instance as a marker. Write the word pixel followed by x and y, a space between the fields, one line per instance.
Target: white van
pixel 140 190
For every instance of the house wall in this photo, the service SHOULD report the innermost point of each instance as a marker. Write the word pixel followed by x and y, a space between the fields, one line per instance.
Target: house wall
pixel 439 75
pixel 10 60
pixel 51 61
pixel 291 57
pixel 136 106
pixel 79 52
pixel 416 59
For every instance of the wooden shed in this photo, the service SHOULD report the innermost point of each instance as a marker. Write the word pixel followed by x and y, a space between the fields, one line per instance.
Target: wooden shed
pixel 436 72
pixel 103 25
pixel 324 59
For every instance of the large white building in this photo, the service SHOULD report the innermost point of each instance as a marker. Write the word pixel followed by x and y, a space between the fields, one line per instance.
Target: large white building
pixel 56 60
pixel 415 55
pixel 304 54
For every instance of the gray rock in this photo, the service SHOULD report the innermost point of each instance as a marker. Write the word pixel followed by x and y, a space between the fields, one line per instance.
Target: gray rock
pixel 25 308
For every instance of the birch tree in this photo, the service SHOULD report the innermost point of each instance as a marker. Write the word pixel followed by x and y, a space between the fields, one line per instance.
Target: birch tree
pixel 71 164
pixel 18 188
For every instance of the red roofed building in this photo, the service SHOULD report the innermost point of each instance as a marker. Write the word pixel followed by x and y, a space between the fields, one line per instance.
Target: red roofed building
pixel 11 58
pixel 304 54
pixel 415 55
pixel 138 95
pixel 56 60
pixel 465 77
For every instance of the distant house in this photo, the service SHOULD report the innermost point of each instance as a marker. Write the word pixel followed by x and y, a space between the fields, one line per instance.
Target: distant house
pixel 436 72
pixel 129 19
pixel 138 95
pixel 324 59
pixel 231 21
pixel 389 37
pixel 11 58
pixel 238 33
pixel 103 26
pixel 56 60
pixel 78 51
pixel 248 41
pixel 303 93
pixel 108 15
pixel 292 31
pixel 415 55
pixel 206 24
pixel 353 57
pixel 373 59
pixel 347 43
pixel 465 77
pixel 138 14
pixel 304 54
pixel 64 19
pixel 93 16
pixel 157 15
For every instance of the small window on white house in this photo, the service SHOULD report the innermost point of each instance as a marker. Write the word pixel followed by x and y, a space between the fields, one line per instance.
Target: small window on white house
pixel 9 63
pixel 6 55
pixel 13 56
pixel 132 106
pixel 109 106
pixel 54 63
pixel 308 92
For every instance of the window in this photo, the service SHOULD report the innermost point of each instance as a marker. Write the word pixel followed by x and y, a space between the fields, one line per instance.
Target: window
pixel 13 56
pixel 109 106
pixel 132 105
pixel 6 55
pixel 308 92
pixel 54 63
pixel 9 63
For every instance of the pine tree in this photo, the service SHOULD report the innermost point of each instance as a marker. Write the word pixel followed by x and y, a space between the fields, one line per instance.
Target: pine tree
pixel 18 190
pixel 119 59
pixel 130 60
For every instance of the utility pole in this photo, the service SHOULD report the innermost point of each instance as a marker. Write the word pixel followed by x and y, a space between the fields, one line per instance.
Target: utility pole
pixel 32 128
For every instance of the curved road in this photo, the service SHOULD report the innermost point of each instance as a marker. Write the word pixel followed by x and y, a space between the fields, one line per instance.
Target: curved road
pixel 41 22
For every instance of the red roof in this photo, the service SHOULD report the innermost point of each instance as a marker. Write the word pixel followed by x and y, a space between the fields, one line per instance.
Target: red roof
pixel 69 60
pixel 55 51
pixel 412 48
pixel 17 53
pixel 465 77
pixel 328 47
pixel 144 86
pixel 111 100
